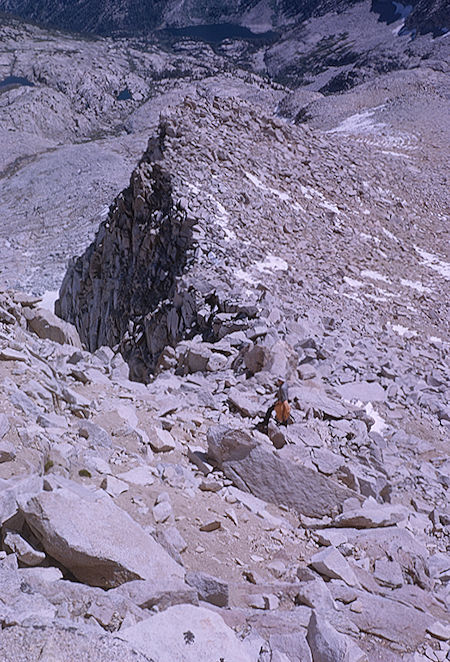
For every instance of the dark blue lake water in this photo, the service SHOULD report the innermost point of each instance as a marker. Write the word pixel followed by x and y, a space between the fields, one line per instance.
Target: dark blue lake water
pixel 217 33
pixel 124 95
pixel 391 11
pixel 15 81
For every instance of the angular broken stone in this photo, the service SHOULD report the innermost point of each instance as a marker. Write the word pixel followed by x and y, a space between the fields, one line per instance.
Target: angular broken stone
pixel 172 541
pixel 274 476
pixel 114 486
pixel 22 549
pixel 141 475
pixel 210 485
pixel 364 391
pixel 38 574
pixel 243 403
pixel 226 444
pixel 439 631
pixel 163 593
pixel 388 573
pixel 391 620
pixel 371 515
pixel 4 425
pixel 9 354
pixel 303 434
pixel 328 645
pixel 95 433
pixel 209 588
pixel 315 594
pixel 162 441
pixel 188 633
pixel 288 646
pixel 265 601
pixel 330 563
pixel 277 436
pixel 46 325
pixel 99 543
pixel 7 451
pixel 12 490
pixel 56 643
pixel 211 526
pixel 306 371
pixel 162 511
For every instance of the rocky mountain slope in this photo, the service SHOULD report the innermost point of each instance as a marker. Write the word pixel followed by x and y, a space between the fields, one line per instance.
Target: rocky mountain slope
pixel 330 46
pixel 265 234
pixel 62 174
pixel 248 543
pixel 73 134
pixel 328 535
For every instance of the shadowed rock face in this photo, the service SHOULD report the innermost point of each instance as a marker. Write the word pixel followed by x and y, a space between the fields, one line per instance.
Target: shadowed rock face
pixel 429 16
pixel 128 274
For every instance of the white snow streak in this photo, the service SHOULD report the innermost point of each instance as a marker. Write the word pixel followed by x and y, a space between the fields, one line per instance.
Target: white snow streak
pixel 433 262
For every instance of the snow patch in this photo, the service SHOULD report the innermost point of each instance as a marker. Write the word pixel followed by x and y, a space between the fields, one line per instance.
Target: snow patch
pixel 380 423
pixel 391 235
pixel 222 218
pixel 359 123
pixel 353 297
pixel 280 194
pixel 243 275
pixel 353 282
pixel 403 331
pixel 272 263
pixel 254 180
pixel 397 29
pixel 390 152
pixel 48 300
pixel 193 188
pixel 368 273
pixel 370 237
pixel 309 192
pixel 415 285
pixel 374 297
pixel 433 262
pixel 385 293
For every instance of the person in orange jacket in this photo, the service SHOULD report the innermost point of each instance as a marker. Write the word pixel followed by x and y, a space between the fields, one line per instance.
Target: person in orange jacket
pixel 281 407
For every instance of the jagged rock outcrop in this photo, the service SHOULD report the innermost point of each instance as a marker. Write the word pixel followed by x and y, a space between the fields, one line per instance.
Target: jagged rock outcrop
pixel 135 288
pixel 127 284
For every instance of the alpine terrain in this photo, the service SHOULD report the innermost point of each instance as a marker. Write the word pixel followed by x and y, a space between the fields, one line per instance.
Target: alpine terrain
pixel 224 331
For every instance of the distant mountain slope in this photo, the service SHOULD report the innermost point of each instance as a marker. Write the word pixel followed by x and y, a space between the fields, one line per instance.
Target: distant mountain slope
pixel 94 16
pixel 137 16
pixel 430 16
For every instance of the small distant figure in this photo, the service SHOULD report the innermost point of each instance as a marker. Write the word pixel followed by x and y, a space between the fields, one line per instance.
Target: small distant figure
pixel 282 408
